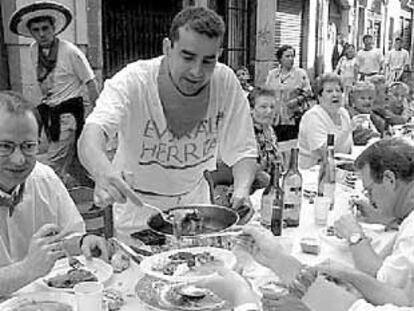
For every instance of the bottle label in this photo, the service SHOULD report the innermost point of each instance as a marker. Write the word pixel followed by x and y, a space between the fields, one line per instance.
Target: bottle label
pixel 329 192
pixel 292 202
pixel 276 221
pixel 266 210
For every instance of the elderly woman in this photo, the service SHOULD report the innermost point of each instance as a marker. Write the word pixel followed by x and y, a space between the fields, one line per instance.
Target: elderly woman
pixel 329 117
pixel 293 90
pixel 264 112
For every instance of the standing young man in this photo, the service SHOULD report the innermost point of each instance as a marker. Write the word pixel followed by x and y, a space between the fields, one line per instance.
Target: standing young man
pixel 369 60
pixel 62 71
pixel 396 62
pixel 175 115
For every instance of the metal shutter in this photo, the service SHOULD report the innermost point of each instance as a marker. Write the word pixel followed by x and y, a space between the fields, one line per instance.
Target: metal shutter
pixel 289 26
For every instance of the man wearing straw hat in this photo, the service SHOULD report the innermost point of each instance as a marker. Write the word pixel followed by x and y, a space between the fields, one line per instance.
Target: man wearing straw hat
pixel 62 70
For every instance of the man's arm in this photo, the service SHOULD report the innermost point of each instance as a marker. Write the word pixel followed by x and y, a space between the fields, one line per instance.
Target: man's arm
pixel 376 292
pixel 15 276
pixel 92 150
pixel 365 258
pixel 93 92
pixel 244 171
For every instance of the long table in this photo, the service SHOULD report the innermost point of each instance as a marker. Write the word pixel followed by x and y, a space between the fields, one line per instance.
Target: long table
pixel 127 280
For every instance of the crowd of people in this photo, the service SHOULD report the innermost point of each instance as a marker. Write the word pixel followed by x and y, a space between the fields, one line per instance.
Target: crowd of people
pixel 181 114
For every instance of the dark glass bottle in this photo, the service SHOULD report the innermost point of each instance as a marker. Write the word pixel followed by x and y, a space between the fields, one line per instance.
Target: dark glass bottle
pixel 277 204
pixel 326 179
pixel 292 191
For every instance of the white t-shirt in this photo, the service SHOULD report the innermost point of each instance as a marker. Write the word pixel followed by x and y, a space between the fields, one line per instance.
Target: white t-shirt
pixel 129 104
pixel 396 60
pixel 66 80
pixel 45 200
pixel 314 127
pixel 369 62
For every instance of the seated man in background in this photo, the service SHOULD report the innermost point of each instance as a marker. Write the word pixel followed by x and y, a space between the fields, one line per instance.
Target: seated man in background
pixel 36 211
pixel 361 100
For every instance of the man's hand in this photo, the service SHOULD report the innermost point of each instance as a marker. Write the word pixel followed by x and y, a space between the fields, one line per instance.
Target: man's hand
pixel 268 251
pixel 44 250
pixel 92 242
pixel 347 225
pixel 334 269
pixel 230 286
pixel 243 206
pixel 113 187
pixel 368 213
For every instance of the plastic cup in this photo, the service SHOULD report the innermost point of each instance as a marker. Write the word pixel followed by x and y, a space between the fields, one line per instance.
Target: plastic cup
pixel 89 296
pixel 321 210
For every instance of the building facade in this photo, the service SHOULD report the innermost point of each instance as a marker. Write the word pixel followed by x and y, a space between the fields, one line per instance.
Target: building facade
pixel 113 33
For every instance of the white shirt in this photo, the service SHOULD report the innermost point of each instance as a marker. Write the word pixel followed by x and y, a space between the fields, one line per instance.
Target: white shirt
pixel 369 61
pixel 45 200
pixel 314 127
pixel 398 267
pixel 129 104
pixel 396 60
pixel 66 80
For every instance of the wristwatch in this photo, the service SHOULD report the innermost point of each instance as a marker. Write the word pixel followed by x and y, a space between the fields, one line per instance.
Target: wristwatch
pixel 356 238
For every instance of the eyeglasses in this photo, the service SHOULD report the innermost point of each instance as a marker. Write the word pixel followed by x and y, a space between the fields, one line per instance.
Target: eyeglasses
pixel 28 148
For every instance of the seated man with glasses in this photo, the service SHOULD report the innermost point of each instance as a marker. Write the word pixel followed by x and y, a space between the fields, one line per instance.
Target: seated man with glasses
pixel 387 172
pixel 39 222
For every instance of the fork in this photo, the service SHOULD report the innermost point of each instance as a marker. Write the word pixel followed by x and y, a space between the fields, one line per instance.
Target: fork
pixel 72 261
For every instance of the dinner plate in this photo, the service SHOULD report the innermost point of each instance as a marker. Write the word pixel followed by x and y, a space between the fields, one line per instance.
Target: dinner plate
pixel 159 294
pixel 15 303
pixel 98 267
pixel 153 265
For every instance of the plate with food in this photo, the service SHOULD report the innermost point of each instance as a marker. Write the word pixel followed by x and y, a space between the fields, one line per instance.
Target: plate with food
pixel 63 277
pixel 187 264
pixel 41 301
pixel 162 295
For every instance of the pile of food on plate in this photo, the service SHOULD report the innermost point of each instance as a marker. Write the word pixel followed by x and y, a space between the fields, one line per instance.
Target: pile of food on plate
pixel 71 278
pixel 181 263
pixel 113 299
pixel 32 305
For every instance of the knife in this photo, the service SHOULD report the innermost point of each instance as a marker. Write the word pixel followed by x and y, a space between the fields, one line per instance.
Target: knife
pixel 128 250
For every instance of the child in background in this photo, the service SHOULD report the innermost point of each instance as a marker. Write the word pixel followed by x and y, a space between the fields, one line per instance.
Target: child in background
pixel 361 100
pixel 347 70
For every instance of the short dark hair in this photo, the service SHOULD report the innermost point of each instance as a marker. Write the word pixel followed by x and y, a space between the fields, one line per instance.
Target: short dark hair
pixel 394 154
pixel 260 91
pixel 328 77
pixel 200 19
pixel 17 104
pixel 398 39
pixel 283 49
pixel 39 19
pixel 366 37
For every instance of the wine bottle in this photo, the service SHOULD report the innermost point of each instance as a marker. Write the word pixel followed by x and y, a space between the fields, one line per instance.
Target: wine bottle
pixel 326 179
pixel 277 204
pixel 292 191
pixel 267 200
